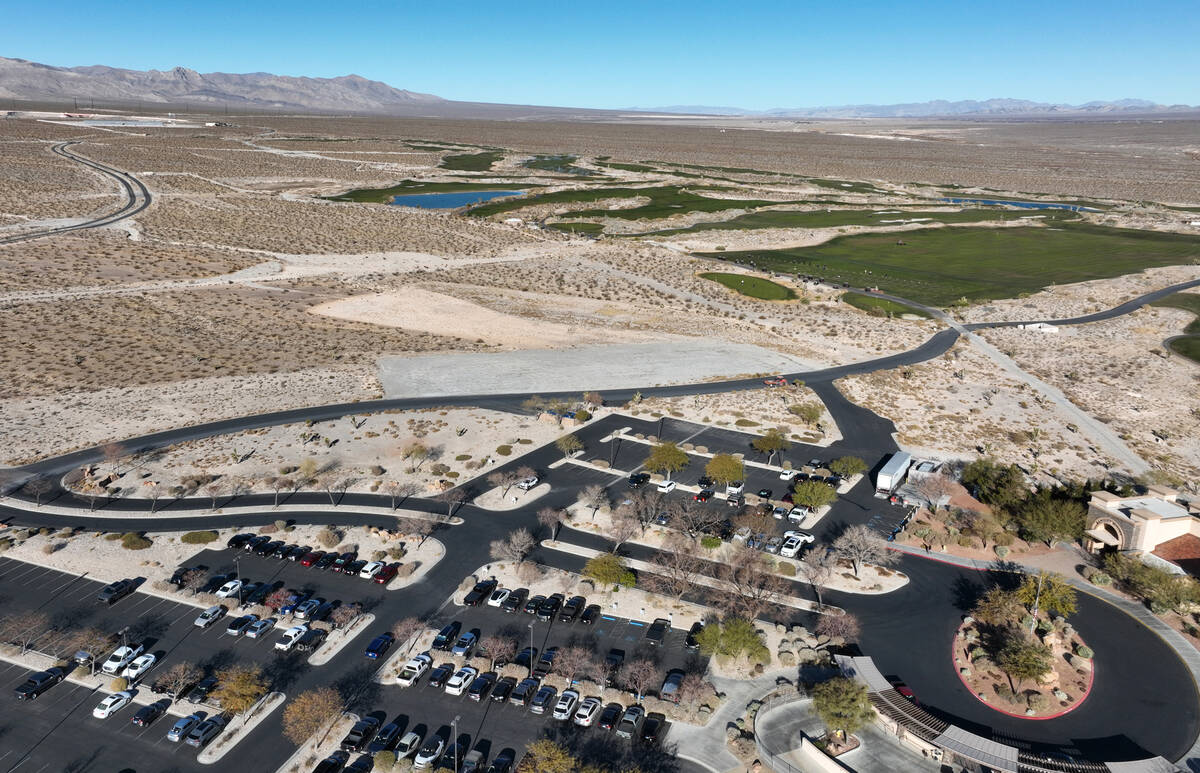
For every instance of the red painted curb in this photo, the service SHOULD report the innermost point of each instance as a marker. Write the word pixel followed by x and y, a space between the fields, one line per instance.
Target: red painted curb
pixel 1068 710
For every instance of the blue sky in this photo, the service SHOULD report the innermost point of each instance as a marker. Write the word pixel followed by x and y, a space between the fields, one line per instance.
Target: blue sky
pixel 658 52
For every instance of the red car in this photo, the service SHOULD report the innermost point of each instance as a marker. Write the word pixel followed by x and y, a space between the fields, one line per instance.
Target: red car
pixel 386 573
pixel 780 381
pixel 311 558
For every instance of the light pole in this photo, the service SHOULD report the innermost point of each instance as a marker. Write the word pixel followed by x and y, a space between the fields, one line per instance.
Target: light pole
pixel 531 650
pixel 237 575
pixel 454 755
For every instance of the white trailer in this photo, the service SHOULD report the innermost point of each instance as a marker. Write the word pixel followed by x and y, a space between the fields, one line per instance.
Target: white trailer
pixel 891 475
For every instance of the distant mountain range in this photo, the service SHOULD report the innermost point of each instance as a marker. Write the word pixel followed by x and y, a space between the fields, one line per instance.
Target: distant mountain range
pixel 938 107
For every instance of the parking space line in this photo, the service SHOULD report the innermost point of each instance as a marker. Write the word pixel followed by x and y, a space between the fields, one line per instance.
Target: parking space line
pixel 18 575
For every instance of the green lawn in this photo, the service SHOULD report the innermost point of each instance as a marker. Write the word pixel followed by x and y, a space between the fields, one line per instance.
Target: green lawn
pixel 938 266
pixel 774 218
pixel 1188 347
pixel 664 201
pixel 472 162
pixel 1188 302
pixel 625 167
pixel 561 164
pixel 410 187
pixel 583 228
pixel 880 307
pixel 755 287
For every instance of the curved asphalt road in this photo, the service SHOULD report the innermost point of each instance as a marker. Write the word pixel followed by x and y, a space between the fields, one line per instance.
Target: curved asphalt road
pixel 137 197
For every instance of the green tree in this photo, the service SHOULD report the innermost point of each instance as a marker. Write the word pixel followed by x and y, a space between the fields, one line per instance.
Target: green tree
pixel 1047 591
pixel 609 569
pixel 725 468
pixel 997 607
pixel 813 494
pixel 666 458
pixel 1047 517
pixel 239 688
pixel 843 705
pixel 549 757
pixel 569 445
pixel 731 638
pixel 310 712
pixel 999 485
pixel 809 413
pixel 848 466
pixel 1022 659
pixel 771 443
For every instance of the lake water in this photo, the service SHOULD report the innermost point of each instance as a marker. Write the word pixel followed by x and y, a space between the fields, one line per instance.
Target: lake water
pixel 449 200
pixel 1021 204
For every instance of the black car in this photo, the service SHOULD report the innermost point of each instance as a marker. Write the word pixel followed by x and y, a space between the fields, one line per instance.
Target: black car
pixel 503 762
pixel 385 739
pixel 515 600
pixel 610 716
pixel 238 541
pixel 38 683
pixel 651 726
pixel 639 479
pixel 480 686
pixel 612 662
pixel 534 604
pixel 703 495
pixel 283 550
pixel 447 636
pixel 254 543
pixel 439 675
pixel 590 615
pixel 339 563
pixel 360 735
pixel 691 642
pixel 333 763
pixel 181 573
pixel 115 591
pixel 503 689
pixel 267 548
pixel 571 609
pixel 545 663
pixel 735 500
pixel 765 493
pixel 147 714
pixel 200 692
pixel 706 482
pixel 658 631
pixel 525 657
pixel 550 607
pixel 258 595
pixel 479 593
pixel 523 692
pixel 354 567
pixel 298 552
pixel 325 561
pixel 311 639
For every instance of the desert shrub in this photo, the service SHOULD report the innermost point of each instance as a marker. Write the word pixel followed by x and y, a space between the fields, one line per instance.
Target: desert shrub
pixel 270 528
pixel 379 555
pixel 118 684
pixel 406 570
pixel 504 450
pixel 1100 578
pixel 1084 651
pixel 965 541
pixel 5 544
pixel 385 760
pixel 198 537
pixel 395 553
pixel 1001 551
pixel 280 525
pixel 710 542
pixel 1038 702
pixel 1004 539
pixel 377 470
pixel 134 541
pixel 112 536
pixel 583 415
pixel 786 569
pixel 328 538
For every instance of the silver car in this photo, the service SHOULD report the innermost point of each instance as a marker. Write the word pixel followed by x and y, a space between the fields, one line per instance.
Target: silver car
pixel 184 726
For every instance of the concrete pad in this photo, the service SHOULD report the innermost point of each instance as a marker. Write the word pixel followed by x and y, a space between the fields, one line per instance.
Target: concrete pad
pixel 618 366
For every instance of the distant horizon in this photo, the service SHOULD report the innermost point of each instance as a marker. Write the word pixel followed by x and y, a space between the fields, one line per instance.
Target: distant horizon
pixel 768 55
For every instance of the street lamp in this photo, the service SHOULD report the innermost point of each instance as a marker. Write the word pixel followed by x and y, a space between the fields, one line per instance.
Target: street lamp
pixel 454 754
pixel 531 650
pixel 237 575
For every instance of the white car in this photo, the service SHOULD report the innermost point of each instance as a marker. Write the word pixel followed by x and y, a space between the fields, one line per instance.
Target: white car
pixel 408 744
pixel 230 588
pixel 210 616
pixel 112 704
pixel 138 668
pixel 734 488
pixel 799 513
pixel 498 596
pixel 120 658
pixel 804 537
pixel 565 708
pixel 585 715
pixel 780 513
pixel 788 474
pixel 528 483
pixel 667 486
pixel 371 569
pixel 414 670
pixel 290 637
pixel 256 629
pixel 430 753
pixel 458 684
pixel 793 541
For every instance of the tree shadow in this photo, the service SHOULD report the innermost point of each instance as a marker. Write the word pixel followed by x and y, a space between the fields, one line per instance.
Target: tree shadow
pixel 967 593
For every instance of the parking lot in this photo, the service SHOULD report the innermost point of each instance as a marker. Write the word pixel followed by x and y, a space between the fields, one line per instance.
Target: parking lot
pixel 57 732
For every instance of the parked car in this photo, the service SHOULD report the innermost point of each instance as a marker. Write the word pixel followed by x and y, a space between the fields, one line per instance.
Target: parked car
pixel 138 667
pixel 439 675
pixel 241 625
pixel 112 704
pixel 479 593
pixel 199 693
pixel 205 731
pixel 325 561
pixel 610 716
pixel 311 557
pixel 670 686
pixel 550 607
pixel 545 664
pixel 386 574
pixel 667 486
pixel 340 562
pixel 360 735
pixel 447 636
pixel 413 670
pixel 146 715
pixel 115 591
pixel 773 544
pixel 292 602
pixel 298 552
pixel 408 745
pixel 734 487
pixel 38 683
pixel 379 646
pixel 657 631
pixel 515 600
pixel 534 604
pixel 458 684
pixel 430 753
pixel 254 543
pixel 631 721
pixel 503 689
pixel 283 551
pixel 691 642
pixel 589 709
pixel 528 483
pixel 523 692
pixel 354 568
pixel 306 608
pixel 651 727
pixel 503 762
pixel 267 548
pixel 780 512
pixel 238 541
pixel 788 475
pixel 543 700
pixel 121 657
pixel 370 569
pixel 775 382
pixel 480 686
pixel 571 609
pixel 798 513
pixel 209 616
pixel 473 762
pixel 464 645
pixel 333 763
pixel 639 479
pixel 567 703
pixel 498 597
pixel 526 657
pixel 290 637
pixel 363 764
pixel 703 495
pixel 590 615
pixel 181 728
pixel 259 627
pixel 311 639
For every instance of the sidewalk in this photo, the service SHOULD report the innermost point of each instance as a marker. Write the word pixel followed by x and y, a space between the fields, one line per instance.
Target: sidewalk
pixel 705 744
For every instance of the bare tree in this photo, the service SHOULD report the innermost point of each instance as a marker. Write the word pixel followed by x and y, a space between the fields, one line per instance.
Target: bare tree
pixel 335 486
pixel 238 487
pixel 860 545
pixel 417 451
pixel 503 479
pixel 515 547
pixel 452 498
pixel 815 568
pixel 692 518
pixel 693 690
pixel 552 519
pixel 406 629
pixel 193 579
pixel 38 487
pixel 844 627
pixel 624 528
pixel 498 648
pixel 153 492
pixel 753 586
pixel 420 527
pixel 674 570
pixel 574 661
pixel 113 454
pixel 24 628
pixel 594 496
pixel 214 489
pixel 525 471
pixel 643 506
pixel 933 488
pixel 638 676
pixel 344 615
pixel 399 491
pixel 91 640
pixel 280 484
pixel 178 678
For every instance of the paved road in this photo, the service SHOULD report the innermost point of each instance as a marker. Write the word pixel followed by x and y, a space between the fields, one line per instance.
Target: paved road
pixel 137 197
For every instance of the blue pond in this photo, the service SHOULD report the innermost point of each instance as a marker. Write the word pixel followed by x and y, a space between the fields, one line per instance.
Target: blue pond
pixel 449 200
pixel 1021 204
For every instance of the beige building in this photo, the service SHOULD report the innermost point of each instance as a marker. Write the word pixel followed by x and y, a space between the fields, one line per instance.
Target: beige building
pixel 1159 523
